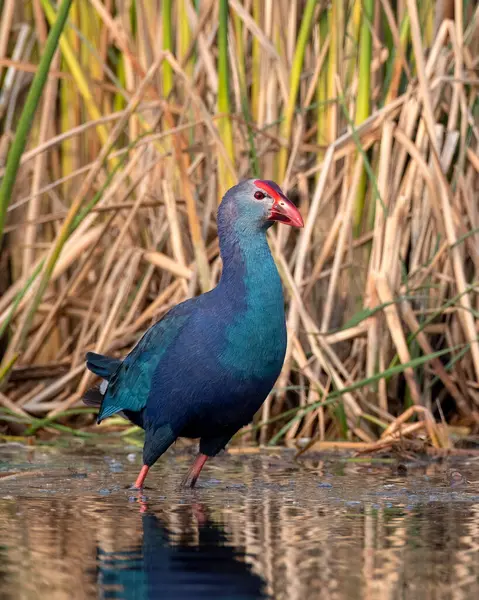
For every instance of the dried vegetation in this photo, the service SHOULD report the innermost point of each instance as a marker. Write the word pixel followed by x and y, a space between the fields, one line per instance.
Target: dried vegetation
pixel 366 114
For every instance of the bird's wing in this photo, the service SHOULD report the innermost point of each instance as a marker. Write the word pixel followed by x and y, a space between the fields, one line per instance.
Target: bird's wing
pixel 129 386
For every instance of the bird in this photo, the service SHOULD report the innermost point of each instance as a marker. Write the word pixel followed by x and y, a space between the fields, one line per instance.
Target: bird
pixel 205 368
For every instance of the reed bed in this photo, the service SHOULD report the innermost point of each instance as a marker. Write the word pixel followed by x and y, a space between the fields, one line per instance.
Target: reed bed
pixel 364 112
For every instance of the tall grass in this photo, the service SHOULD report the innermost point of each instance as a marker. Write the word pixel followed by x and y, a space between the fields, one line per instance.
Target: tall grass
pixel 366 112
pixel 28 112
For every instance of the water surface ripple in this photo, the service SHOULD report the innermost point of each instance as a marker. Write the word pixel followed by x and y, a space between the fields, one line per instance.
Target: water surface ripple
pixel 257 526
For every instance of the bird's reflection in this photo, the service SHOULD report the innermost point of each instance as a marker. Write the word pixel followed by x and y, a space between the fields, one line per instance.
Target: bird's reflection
pixel 176 565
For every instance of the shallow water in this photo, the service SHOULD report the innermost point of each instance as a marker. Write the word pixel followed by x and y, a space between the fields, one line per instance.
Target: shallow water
pixel 257 526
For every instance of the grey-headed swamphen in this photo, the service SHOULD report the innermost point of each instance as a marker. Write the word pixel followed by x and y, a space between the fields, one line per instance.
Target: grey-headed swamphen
pixel 206 367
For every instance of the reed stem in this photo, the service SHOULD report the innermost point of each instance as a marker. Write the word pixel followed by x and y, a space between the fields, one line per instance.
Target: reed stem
pixel 363 100
pixel 224 122
pixel 29 109
pixel 294 81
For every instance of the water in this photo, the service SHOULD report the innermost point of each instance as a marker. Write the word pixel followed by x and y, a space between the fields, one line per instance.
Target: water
pixel 257 526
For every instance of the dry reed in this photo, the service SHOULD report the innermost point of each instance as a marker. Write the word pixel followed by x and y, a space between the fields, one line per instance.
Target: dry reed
pixel 355 108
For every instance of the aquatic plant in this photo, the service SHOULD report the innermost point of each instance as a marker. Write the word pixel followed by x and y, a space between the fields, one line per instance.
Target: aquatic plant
pixel 366 111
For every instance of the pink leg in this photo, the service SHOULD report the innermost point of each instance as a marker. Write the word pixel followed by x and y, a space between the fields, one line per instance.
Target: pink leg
pixel 195 470
pixel 141 478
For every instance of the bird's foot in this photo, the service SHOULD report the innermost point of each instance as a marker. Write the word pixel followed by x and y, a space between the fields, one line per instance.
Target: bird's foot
pixel 134 488
pixel 188 482
pixel 191 477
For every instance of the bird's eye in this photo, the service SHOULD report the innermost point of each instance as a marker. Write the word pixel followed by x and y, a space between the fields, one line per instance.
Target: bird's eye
pixel 259 195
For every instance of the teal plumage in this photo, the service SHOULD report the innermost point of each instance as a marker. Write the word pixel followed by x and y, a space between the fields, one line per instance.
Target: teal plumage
pixel 130 384
pixel 259 322
pixel 207 366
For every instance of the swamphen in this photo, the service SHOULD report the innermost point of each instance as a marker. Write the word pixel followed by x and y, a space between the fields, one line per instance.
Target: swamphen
pixel 206 367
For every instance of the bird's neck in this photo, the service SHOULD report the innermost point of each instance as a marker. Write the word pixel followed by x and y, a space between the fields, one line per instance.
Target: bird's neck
pixel 248 266
pixel 251 295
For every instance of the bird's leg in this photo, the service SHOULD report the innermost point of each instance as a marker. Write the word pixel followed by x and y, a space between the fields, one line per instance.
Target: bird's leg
pixel 138 485
pixel 195 470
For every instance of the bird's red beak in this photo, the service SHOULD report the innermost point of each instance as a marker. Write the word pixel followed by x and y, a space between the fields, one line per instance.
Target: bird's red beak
pixel 283 210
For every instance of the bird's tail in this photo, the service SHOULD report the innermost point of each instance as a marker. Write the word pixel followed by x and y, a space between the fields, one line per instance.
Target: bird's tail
pixel 104 367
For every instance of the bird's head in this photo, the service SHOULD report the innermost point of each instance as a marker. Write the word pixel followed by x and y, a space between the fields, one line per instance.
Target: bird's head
pixel 259 203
